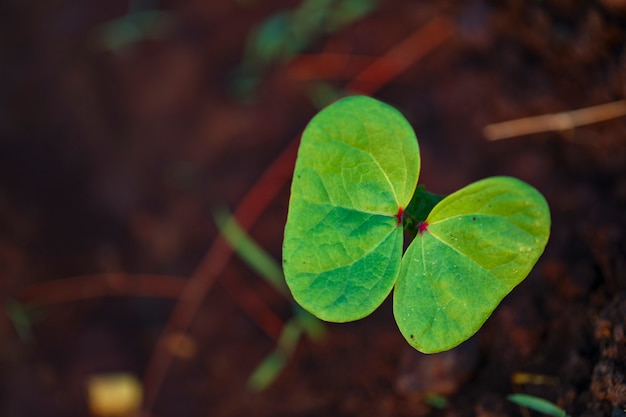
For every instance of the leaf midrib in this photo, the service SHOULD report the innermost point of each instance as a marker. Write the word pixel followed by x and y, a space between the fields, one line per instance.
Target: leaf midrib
pixel 336 206
pixel 374 160
pixel 488 271
pixel 481 215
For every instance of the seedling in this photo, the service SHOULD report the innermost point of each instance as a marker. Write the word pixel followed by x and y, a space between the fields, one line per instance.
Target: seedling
pixel 354 194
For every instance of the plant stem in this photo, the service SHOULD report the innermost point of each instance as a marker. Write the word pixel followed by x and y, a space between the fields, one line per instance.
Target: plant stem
pixel 418 209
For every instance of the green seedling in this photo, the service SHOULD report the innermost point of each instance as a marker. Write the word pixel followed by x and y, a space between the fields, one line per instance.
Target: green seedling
pixel 353 196
pixel 537 404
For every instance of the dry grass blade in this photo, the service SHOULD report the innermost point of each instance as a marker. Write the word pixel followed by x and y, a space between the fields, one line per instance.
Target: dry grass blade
pixel 555 122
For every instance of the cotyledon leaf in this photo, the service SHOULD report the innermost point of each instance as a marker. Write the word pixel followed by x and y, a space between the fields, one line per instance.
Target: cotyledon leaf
pixel 356 170
pixel 475 246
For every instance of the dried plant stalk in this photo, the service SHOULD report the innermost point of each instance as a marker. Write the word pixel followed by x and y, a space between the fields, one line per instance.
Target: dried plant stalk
pixel 555 122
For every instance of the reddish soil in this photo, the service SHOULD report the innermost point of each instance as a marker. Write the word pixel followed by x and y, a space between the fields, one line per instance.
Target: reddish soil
pixel 113 161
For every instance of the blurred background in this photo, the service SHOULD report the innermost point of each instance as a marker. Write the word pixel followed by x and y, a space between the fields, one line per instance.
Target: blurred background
pixel 130 129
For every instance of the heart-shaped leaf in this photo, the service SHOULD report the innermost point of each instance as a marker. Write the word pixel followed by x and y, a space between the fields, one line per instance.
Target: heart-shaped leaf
pixel 357 169
pixel 475 246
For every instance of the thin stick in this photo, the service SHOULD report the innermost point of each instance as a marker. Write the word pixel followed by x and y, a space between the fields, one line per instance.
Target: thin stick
pixel 555 122
pixel 402 56
pixel 100 285
pixel 254 306
pixel 327 66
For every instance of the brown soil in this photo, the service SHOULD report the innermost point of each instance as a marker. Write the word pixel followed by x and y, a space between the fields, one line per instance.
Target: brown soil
pixel 113 161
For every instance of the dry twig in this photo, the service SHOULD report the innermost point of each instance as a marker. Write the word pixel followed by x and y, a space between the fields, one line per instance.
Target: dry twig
pixel 555 122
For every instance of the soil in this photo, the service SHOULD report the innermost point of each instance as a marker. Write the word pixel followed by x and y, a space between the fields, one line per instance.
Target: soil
pixel 113 161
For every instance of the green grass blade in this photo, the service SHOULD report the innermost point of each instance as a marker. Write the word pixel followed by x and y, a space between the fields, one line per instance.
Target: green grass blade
pixel 537 404
pixel 248 250
pixel 275 362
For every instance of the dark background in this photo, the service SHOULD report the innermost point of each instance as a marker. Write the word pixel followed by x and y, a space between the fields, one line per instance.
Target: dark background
pixel 116 147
